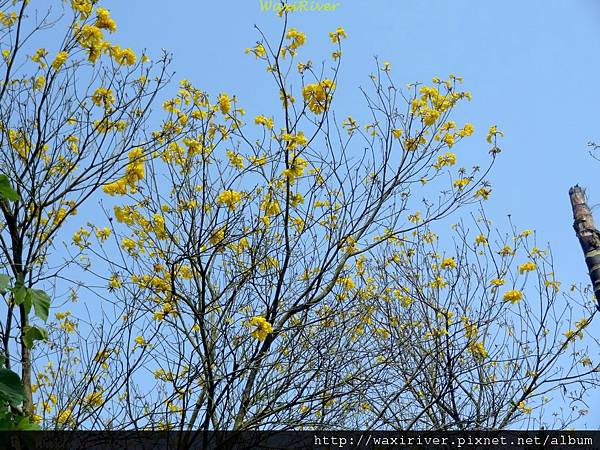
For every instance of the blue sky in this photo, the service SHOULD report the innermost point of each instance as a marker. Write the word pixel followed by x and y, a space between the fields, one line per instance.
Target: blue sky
pixel 531 67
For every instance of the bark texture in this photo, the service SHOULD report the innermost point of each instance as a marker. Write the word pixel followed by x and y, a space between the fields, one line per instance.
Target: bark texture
pixel 588 235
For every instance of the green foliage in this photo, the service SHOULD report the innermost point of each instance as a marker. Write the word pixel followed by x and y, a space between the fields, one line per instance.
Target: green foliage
pixel 11 397
pixel 40 301
pixel 4 283
pixel 31 297
pixel 6 190
pixel 32 334
pixel 11 391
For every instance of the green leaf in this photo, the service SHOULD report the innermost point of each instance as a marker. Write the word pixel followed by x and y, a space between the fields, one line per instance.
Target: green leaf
pixel 6 423
pixel 23 423
pixel 41 303
pixel 19 294
pixel 34 333
pixel 18 290
pixel 4 282
pixel 11 388
pixel 6 190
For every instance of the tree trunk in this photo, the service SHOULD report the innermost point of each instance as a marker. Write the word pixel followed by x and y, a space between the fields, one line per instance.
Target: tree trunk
pixel 26 367
pixel 588 235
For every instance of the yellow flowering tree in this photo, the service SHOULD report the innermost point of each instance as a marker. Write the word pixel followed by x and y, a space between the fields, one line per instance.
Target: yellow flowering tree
pixel 281 270
pixel 469 337
pixel 72 117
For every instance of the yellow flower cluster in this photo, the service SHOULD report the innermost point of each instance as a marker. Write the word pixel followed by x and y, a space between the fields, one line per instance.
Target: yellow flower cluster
pixel 94 399
pixel 65 416
pixel 346 282
pixel 217 236
pixel 262 328
pixel 103 97
pixel 267 122
pixel 337 35
pixel 114 282
pixel 492 133
pixel 447 159
pixel 134 172
pixel 270 205
pixel 460 183
pixel 258 51
pixel 59 60
pixel 104 21
pixel 318 95
pixel 448 263
pixel 229 198
pixel 481 240
pixel 80 238
pixel 40 57
pixel 438 282
pixel 478 350
pixel 122 56
pixel 524 408
pixel 19 142
pixel 296 38
pixel 235 159
pixel 483 192
pixel 513 296
pixel 293 141
pixel 83 7
pixel 224 103
pixel 91 38
pixel 527 267
pixel 8 20
pixel 432 103
pixel 296 169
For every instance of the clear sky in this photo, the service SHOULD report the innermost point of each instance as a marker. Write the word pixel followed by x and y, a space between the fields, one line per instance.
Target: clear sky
pixel 530 65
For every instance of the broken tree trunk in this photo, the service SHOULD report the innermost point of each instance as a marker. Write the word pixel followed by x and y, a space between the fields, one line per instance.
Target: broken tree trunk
pixel 588 235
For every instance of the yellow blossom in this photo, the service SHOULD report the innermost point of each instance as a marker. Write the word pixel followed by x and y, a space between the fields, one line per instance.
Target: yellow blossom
pixel 513 296
pixel 492 133
pixel 346 282
pixel 527 267
pixel 460 183
pixel 337 35
pixel 483 192
pixel 94 399
pixel 262 328
pixel 229 198
pixel 83 7
pixel 114 282
pixel 318 96
pixel 296 169
pixel 447 159
pixel 102 233
pixel 65 416
pixel 103 97
pixel 235 159
pixel 40 57
pixel 481 239
pixel 224 103
pixel 448 263
pixel 258 51
pixel 104 21
pixel 267 122
pixel 478 350
pixel 523 407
